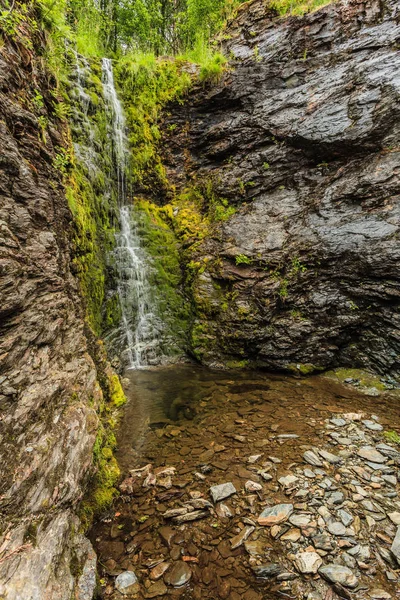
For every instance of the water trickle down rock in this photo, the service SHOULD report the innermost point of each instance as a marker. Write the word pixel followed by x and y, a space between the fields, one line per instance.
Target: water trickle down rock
pixel 142 327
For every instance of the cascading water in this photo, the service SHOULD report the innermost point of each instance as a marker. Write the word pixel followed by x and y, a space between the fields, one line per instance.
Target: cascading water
pixel 84 149
pixel 142 327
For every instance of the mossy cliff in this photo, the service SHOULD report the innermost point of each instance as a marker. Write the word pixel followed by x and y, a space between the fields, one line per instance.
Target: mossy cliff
pixel 59 395
pixel 302 275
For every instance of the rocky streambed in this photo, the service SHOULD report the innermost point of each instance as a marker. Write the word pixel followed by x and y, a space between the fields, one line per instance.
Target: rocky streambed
pixel 249 486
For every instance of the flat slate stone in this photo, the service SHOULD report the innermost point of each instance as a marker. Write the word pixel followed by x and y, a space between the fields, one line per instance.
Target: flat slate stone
pixel 267 570
pixel 372 425
pixel 308 562
pixel 395 548
pixel 312 459
pixel 336 528
pixel 222 491
pixel 339 574
pixel 179 574
pixel 371 454
pixel 275 514
pixel 329 457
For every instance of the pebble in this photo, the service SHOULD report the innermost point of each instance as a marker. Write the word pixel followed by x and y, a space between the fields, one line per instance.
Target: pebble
pixel 336 528
pixel 329 457
pixel 265 475
pixel 179 574
pixel 308 562
pixel 312 459
pixel 275 514
pixel 395 548
pixel 300 520
pixel 372 425
pixel 267 570
pixel 310 474
pixel 159 570
pixel 254 458
pixel 223 511
pixel 323 542
pixel 379 595
pixel 339 574
pixel 394 517
pixel 222 491
pixel 127 583
pixel 251 486
pixel 241 537
pixel 338 422
pixel 345 517
pixel 288 481
pixel 156 589
pixel 293 535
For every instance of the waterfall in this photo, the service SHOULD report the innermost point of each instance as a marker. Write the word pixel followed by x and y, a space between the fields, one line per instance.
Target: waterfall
pixel 141 326
pixel 85 148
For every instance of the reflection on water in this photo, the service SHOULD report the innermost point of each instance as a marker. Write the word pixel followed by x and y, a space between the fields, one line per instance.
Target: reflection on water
pixel 163 395
pixel 167 394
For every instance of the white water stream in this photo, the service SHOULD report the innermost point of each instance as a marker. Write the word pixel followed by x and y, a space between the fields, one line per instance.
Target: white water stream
pixel 142 327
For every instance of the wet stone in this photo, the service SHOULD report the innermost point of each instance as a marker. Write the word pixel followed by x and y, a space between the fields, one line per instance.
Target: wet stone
pixel 167 534
pixel 268 570
pixel 179 574
pixel 335 573
pixel 222 491
pixel 158 571
pixel 156 589
pixel 275 515
pixel 127 583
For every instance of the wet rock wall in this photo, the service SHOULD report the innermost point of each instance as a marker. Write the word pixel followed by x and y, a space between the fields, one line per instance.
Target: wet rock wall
pixel 301 138
pixel 48 381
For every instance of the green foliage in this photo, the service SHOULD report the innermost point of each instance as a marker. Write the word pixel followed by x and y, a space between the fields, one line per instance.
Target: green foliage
pixel 392 436
pixel 147 84
pixel 17 22
pixel 297 7
pixel 165 274
pixel 242 259
pixel 211 62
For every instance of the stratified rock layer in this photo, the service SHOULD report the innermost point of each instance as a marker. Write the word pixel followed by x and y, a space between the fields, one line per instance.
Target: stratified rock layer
pixel 47 377
pixel 302 137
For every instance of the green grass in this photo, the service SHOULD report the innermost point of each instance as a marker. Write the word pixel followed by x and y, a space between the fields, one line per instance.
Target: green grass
pixel 392 436
pixel 298 7
pixel 212 62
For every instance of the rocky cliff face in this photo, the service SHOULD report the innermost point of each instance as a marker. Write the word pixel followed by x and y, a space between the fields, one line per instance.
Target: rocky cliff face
pixel 301 137
pixel 49 390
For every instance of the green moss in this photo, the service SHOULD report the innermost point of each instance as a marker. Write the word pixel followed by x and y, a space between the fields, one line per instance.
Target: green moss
pixel 242 259
pixel 111 312
pixel 102 487
pixel 392 436
pixel 365 378
pixel 237 364
pixel 304 368
pixel 165 274
pixel 117 395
